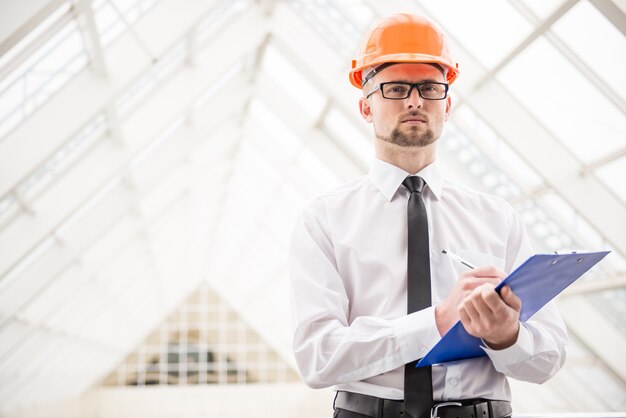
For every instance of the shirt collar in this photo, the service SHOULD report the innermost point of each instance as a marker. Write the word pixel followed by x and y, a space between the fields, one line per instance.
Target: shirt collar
pixel 388 178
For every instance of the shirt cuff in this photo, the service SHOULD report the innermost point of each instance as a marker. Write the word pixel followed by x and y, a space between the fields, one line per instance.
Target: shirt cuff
pixel 416 334
pixel 520 351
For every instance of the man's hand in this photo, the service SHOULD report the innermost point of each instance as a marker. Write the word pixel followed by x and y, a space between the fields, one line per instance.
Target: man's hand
pixel 447 313
pixel 495 319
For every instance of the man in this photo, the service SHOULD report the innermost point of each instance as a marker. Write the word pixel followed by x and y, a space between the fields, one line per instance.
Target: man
pixel 372 290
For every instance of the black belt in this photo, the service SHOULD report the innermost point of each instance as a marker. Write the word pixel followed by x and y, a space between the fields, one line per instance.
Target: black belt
pixel 387 408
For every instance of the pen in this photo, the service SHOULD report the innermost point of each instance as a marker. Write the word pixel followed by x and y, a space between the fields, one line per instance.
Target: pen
pixel 457 258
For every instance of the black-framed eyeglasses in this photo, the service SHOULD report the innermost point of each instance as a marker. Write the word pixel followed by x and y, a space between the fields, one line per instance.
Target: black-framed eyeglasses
pixel 396 90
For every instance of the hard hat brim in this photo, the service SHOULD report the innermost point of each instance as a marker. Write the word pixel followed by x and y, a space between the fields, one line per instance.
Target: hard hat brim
pixel 356 75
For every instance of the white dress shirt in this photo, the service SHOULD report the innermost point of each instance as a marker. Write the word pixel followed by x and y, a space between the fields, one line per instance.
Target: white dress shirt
pixel 348 272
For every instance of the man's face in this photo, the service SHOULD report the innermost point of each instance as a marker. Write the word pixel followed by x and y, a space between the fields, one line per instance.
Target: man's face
pixel 410 122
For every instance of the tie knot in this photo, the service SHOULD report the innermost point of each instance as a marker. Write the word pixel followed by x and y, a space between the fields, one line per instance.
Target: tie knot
pixel 414 184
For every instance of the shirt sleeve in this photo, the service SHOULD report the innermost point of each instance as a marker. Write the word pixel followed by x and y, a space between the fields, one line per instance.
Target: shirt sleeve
pixel 540 349
pixel 329 348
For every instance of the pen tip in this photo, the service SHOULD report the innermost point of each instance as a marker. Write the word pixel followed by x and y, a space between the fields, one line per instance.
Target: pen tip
pixel 444 251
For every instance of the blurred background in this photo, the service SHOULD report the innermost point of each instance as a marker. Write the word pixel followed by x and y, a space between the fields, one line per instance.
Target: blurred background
pixel 154 155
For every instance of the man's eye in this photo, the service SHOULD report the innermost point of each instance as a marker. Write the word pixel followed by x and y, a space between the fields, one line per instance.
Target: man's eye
pixel 396 89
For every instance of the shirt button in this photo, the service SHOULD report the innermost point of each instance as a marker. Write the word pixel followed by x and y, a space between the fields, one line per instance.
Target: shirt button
pixel 453 381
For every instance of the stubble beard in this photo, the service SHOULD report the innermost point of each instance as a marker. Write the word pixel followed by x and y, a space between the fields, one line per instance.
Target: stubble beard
pixel 413 138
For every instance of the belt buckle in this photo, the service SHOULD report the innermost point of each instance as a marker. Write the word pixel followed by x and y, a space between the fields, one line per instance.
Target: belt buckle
pixel 435 409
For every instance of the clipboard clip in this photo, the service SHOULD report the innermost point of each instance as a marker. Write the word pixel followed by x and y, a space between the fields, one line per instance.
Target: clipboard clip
pixel 580 259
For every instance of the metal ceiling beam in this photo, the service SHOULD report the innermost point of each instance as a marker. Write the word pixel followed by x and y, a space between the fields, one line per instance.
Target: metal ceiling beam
pixel 590 168
pixel 599 82
pixel 137 134
pixel 87 94
pixel 27 51
pixel 541 27
pixel 24 289
pixel 339 160
pixel 196 82
pixel 597 333
pixel 612 12
pixel 133 33
pixel 90 35
pixel 587 287
pixel 18 19
pixel 216 114
pixel 588 195
pixel 200 135
pixel 289 32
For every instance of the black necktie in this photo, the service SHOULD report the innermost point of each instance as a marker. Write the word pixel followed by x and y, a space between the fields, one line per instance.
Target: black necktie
pixel 418 387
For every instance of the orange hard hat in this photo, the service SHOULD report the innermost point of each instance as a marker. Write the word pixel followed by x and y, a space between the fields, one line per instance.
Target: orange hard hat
pixel 403 37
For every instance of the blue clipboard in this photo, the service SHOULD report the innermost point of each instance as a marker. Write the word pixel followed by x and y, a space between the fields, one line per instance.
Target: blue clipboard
pixel 537 281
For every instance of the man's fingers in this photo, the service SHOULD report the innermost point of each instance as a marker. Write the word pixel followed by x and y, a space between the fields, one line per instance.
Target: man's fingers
pixel 511 298
pixel 491 299
pixel 487 271
pixel 465 319
pixel 471 282
pixel 478 298
pixel 470 310
pixel 495 302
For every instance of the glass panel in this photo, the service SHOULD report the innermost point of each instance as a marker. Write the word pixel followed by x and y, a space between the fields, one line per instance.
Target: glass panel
pixel 203 342
pixel 357 10
pixel 40 76
pixel 110 242
pixel 230 77
pixel 279 226
pixel 71 151
pixel 612 174
pixel 547 235
pixel 322 178
pixel 167 133
pixel 88 206
pixel 476 168
pixel 474 126
pixel 33 34
pixel 595 376
pixel 107 16
pixel 134 9
pixel 108 22
pixel 224 12
pixel 349 137
pixel 562 99
pixel 574 233
pixel 494 29
pixel 149 81
pixel 9 207
pixel 27 262
pixel 297 87
pixel 339 25
pixel 601 45
pixel 553 225
pixel 612 303
pixel 278 138
pixel 559 208
pixel 57 292
pixel 11 334
pixel 543 8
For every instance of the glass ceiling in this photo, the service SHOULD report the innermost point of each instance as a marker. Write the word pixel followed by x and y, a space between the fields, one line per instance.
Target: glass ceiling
pixel 143 153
